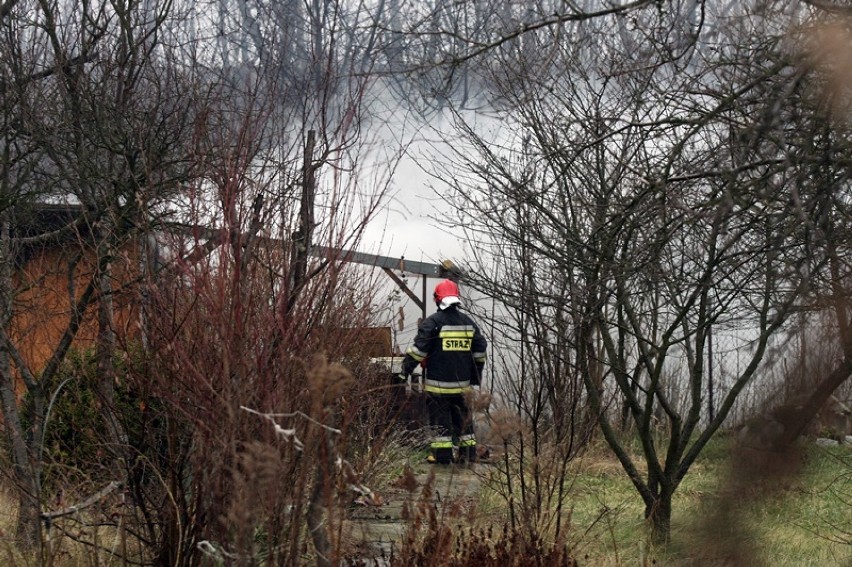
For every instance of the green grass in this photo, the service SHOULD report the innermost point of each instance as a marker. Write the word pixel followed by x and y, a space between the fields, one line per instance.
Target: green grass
pixel 804 520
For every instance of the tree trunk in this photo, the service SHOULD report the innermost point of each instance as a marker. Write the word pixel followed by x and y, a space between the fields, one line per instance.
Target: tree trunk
pixel 106 341
pixel 28 528
pixel 26 473
pixel 659 514
pixel 318 519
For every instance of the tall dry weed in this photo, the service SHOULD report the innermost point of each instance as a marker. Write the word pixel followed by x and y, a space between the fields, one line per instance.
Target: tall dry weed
pixel 456 536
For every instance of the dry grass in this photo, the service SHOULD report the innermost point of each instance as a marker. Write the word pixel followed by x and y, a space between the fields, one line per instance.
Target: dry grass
pixel 805 521
pixel 65 544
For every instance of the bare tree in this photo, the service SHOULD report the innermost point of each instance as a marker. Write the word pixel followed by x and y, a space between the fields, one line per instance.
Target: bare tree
pixel 240 330
pixel 96 131
pixel 247 322
pixel 193 180
pixel 437 52
pixel 654 192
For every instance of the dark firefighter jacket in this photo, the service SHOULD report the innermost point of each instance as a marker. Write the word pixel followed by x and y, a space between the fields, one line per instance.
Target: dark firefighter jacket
pixel 451 348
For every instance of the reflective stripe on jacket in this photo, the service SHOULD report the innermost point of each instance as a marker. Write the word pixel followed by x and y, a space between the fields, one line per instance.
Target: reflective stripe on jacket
pixel 453 350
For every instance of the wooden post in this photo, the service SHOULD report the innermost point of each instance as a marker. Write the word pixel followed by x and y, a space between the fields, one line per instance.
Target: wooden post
pixel 302 237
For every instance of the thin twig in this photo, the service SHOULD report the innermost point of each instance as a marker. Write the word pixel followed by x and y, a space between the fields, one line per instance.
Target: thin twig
pixel 90 501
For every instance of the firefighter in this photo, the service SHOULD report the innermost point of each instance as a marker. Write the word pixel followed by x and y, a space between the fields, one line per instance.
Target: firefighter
pixel 452 351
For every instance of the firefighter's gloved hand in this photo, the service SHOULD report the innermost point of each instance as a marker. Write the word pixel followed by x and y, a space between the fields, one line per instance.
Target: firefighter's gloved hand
pixel 403 380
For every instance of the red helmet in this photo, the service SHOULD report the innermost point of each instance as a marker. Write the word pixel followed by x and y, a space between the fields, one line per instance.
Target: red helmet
pixel 446 294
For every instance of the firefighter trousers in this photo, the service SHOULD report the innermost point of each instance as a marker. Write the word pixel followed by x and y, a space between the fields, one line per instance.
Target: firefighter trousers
pixel 452 423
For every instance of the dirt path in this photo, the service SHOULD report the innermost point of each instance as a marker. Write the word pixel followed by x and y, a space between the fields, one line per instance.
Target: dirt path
pixel 378 530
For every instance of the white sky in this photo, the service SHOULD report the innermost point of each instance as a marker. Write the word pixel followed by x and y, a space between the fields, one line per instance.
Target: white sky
pixel 407 226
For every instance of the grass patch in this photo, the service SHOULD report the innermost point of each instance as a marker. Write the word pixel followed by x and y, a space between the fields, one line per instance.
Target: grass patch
pixel 805 521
